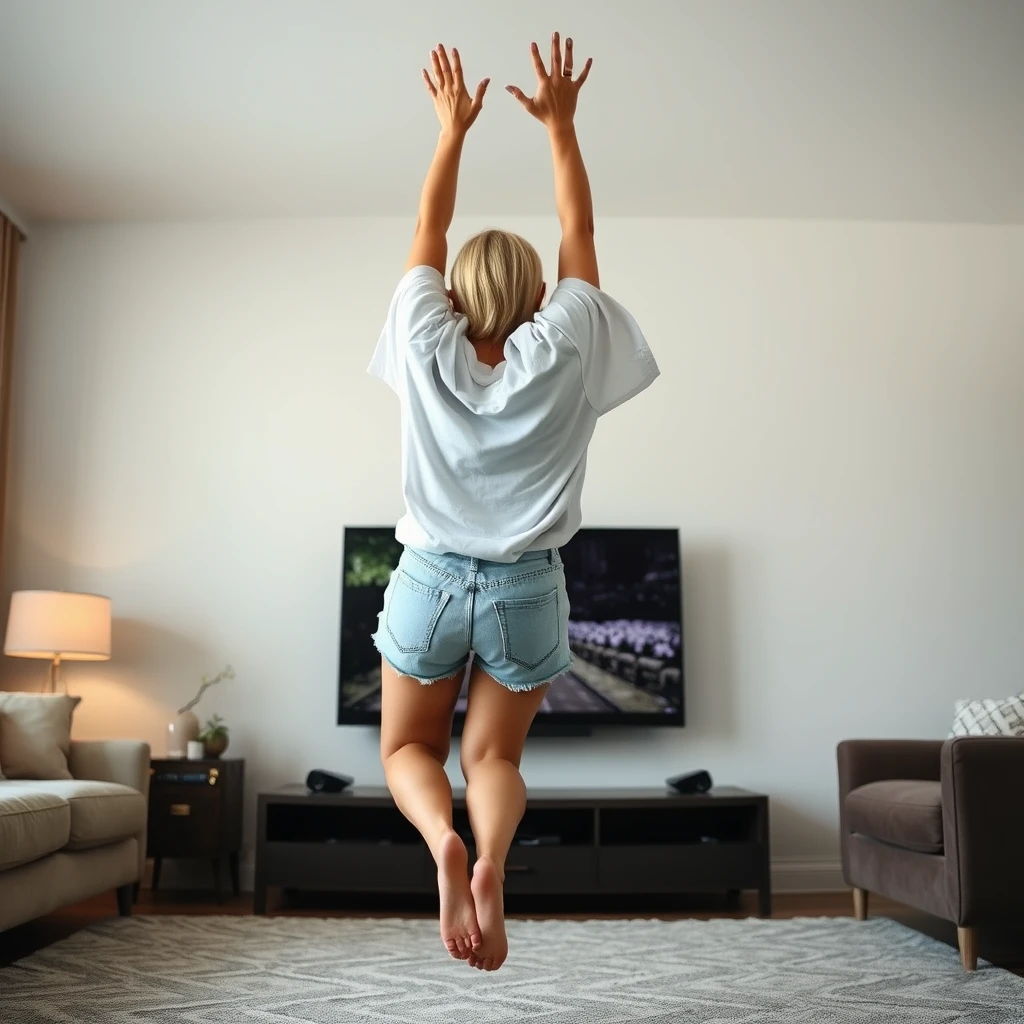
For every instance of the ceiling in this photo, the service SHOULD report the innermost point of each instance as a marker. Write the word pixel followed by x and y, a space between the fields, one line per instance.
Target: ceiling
pixel 194 109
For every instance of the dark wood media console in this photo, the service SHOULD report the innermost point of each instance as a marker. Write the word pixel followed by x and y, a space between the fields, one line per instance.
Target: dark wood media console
pixel 571 841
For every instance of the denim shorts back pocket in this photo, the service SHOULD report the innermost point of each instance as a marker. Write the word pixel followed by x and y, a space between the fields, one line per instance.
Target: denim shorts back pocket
pixel 412 613
pixel 529 628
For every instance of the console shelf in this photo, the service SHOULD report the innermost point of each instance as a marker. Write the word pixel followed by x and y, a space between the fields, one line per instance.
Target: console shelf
pixel 572 841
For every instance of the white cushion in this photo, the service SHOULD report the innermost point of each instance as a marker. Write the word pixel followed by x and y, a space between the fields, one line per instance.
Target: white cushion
pixel 101 812
pixel 1001 717
pixel 32 824
pixel 35 734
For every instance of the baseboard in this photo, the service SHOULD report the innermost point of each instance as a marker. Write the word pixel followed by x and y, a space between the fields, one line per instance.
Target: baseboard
pixel 808 876
pixel 787 876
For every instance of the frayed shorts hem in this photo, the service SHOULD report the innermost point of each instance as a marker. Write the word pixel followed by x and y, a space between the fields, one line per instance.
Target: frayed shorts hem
pixel 424 681
pixel 531 684
pixel 515 687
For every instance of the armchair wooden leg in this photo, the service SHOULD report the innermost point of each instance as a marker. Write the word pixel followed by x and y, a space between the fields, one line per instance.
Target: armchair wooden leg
pixel 967 939
pixel 124 899
pixel 860 904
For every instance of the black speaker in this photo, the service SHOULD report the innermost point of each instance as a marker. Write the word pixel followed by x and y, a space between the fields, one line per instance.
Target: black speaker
pixel 319 781
pixel 690 782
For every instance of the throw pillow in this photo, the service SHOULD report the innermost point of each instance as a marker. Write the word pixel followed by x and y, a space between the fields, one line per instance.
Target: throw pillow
pixel 1003 717
pixel 35 734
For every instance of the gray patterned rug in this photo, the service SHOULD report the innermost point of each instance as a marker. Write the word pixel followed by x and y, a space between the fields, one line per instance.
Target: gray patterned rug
pixel 280 970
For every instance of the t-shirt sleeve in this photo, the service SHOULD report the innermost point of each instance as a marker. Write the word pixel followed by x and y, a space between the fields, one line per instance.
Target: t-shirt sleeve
pixel 417 316
pixel 617 362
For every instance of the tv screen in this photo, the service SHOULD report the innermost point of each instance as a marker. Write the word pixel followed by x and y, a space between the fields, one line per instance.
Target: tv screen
pixel 625 629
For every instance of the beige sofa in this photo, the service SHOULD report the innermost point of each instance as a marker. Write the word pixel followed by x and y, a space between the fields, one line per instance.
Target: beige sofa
pixel 64 840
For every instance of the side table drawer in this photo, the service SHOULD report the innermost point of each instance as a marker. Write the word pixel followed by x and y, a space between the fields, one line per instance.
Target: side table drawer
pixel 184 821
pixel 688 867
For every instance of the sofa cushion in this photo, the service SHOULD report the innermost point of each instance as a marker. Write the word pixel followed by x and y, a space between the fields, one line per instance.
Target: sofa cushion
pixel 904 812
pixel 101 812
pixel 35 734
pixel 32 824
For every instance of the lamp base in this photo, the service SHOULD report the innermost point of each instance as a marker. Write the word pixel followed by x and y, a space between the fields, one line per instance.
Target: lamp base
pixel 55 675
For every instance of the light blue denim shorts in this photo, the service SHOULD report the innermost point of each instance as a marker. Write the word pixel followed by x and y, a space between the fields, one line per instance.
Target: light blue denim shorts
pixel 512 616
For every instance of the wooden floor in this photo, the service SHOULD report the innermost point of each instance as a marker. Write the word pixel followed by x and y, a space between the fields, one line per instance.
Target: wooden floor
pixel 1006 951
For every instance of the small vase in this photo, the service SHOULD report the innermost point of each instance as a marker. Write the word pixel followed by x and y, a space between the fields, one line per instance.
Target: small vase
pixel 184 728
pixel 216 746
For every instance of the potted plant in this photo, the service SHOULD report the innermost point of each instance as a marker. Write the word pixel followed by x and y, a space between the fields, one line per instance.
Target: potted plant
pixel 214 737
pixel 186 726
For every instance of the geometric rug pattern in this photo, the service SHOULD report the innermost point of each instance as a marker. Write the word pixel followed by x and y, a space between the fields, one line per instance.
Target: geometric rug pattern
pixel 283 970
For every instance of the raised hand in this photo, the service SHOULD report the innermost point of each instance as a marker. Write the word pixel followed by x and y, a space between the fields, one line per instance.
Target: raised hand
pixel 455 109
pixel 555 101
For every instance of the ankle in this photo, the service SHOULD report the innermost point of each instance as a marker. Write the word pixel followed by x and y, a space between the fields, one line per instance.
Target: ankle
pixel 496 865
pixel 446 843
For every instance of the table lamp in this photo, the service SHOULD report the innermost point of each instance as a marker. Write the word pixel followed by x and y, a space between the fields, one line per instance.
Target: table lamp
pixel 58 626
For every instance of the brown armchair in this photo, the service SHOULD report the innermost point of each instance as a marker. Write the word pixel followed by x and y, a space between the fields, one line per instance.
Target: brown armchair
pixel 936 825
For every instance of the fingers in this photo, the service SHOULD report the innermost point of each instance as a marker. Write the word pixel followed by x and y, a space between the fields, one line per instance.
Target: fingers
pixel 524 100
pixel 446 68
pixel 567 64
pixel 538 64
pixel 556 55
pixel 457 68
pixel 585 71
pixel 431 88
pixel 478 99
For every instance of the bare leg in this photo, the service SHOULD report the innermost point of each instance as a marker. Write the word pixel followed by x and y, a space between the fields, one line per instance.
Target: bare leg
pixel 415 738
pixel 497 722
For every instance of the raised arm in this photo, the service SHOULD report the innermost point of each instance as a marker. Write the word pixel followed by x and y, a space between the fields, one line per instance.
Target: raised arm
pixel 456 111
pixel 554 105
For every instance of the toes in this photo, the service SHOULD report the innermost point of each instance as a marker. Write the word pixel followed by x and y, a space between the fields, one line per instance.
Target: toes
pixel 476 940
pixel 452 947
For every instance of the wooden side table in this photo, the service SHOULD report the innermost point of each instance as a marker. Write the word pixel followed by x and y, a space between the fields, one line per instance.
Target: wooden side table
pixel 195 810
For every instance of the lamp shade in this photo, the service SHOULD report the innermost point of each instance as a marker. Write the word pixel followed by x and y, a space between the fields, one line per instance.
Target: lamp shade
pixel 53 623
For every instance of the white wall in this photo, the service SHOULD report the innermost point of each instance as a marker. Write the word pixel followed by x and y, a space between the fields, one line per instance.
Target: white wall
pixel 836 433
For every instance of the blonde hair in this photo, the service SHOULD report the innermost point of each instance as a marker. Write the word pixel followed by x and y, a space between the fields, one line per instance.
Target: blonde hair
pixel 496 280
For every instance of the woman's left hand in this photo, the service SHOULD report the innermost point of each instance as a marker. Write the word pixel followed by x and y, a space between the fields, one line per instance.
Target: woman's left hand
pixel 455 109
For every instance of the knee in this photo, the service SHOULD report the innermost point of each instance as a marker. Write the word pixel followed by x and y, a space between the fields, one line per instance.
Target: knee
pixel 438 751
pixel 473 757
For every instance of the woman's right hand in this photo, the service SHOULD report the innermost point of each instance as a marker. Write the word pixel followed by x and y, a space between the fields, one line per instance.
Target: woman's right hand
pixel 555 101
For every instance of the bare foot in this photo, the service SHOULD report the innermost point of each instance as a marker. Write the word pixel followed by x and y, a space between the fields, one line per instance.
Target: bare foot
pixel 490 912
pixel 459 929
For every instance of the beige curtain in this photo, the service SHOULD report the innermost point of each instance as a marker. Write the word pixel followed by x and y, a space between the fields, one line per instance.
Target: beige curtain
pixel 10 251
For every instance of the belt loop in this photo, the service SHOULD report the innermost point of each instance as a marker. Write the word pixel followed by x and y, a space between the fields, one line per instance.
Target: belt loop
pixel 551 556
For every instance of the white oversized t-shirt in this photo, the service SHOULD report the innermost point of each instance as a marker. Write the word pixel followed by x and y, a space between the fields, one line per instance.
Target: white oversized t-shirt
pixel 493 460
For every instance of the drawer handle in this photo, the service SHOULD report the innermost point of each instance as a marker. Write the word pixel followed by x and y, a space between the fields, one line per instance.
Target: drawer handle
pixel 181 810
pixel 519 869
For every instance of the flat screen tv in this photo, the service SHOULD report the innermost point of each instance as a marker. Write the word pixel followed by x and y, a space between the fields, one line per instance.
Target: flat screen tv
pixel 625 629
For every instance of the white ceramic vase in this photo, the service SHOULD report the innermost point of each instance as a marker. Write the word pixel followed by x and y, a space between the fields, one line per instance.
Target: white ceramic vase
pixel 179 732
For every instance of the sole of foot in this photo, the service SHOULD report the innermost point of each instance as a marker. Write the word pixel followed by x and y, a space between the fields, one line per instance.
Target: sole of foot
pixel 460 931
pixel 490 914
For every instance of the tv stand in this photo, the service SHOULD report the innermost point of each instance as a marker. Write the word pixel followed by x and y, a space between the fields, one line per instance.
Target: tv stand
pixel 581 842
